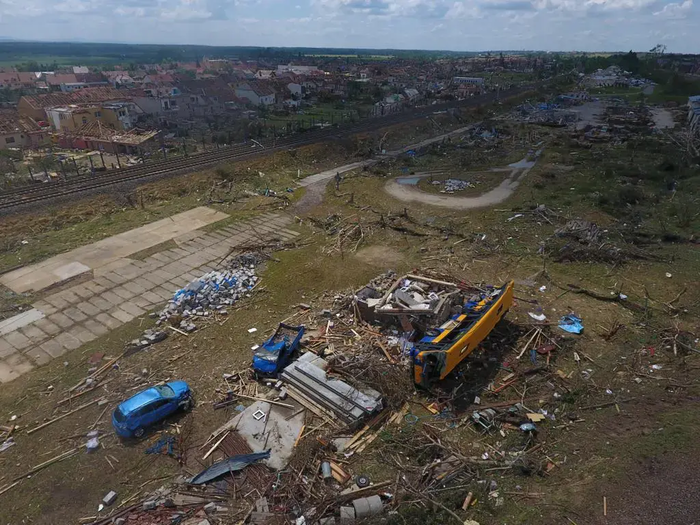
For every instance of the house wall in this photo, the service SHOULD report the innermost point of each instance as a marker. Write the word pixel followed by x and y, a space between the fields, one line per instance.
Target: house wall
pixel 72 120
pixel 267 100
pixel 38 139
pixel 248 94
pixel 120 118
pixel 295 89
pixel 26 109
pixel 13 140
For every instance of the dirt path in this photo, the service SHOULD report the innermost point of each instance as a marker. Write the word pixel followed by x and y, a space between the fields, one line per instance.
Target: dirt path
pixel 316 184
pixel 505 189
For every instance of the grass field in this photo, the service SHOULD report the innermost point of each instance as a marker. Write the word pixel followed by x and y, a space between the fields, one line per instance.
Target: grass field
pixel 611 419
pixel 9 61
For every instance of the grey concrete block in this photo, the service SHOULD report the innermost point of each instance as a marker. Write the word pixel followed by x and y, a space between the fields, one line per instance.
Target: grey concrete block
pixel 19 363
pixel 59 345
pixel 109 498
pixel 121 315
pixel 38 355
pixel 77 316
pixel 62 320
pixel 124 293
pixel 101 303
pixel 109 321
pixel 34 333
pixel 89 309
pixel 96 327
pixel 82 291
pixel 18 340
pixel 47 326
pixel 132 309
pixel 82 334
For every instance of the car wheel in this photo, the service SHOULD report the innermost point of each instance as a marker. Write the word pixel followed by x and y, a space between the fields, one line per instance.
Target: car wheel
pixel 139 432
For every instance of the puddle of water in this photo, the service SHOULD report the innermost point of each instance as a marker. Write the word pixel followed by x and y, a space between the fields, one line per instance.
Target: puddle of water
pixel 411 181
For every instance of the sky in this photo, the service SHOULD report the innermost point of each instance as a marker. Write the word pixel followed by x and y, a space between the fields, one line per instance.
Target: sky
pixel 459 25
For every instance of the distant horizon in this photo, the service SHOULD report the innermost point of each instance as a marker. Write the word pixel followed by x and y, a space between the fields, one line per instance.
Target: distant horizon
pixel 10 40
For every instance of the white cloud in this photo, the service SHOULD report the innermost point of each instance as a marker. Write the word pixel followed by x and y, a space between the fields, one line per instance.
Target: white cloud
pixel 138 12
pixel 587 25
pixel 675 11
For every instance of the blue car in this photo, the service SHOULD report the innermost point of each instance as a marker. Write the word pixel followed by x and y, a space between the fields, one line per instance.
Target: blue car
pixel 133 416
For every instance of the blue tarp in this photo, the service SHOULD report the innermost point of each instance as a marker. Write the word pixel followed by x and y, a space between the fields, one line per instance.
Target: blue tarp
pixel 572 324
pixel 225 466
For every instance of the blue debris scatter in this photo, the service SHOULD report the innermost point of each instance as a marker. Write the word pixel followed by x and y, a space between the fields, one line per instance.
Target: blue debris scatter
pixel 571 323
pixel 158 446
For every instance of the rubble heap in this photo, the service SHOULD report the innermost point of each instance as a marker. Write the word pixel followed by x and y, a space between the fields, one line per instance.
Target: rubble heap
pixel 212 292
pixel 453 185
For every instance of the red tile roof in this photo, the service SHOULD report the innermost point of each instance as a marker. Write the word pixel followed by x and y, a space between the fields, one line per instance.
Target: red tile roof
pixel 81 96
pixel 61 78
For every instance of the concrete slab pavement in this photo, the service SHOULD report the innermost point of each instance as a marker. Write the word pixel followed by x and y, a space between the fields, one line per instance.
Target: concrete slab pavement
pixel 65 320
pixel 108 252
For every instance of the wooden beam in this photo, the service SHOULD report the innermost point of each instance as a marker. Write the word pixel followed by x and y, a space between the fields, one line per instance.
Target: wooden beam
pixel 52 421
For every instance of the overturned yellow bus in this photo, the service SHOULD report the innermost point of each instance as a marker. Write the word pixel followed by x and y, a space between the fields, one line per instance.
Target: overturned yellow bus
pixel 442 349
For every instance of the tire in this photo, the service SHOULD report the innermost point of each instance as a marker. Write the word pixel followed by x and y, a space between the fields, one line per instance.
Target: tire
pixel 139 432
pixel 362 481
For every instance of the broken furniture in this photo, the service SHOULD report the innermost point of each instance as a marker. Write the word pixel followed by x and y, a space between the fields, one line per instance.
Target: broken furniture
pixel 411 295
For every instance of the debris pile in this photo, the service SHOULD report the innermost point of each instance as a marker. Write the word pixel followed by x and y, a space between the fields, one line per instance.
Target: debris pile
pixel 307 381
pixel 581 240
pixel 453 185
pixel 148 338
pixel 409 295
pixel 215 291
pixel 543 114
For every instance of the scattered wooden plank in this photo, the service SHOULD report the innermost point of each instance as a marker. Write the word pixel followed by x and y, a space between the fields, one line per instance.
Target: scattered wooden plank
pixel 366 490
pixel 307 403
pixel 537 331
pixel 8 487
pixel 182 332
pixel 389 357
pixel 301 433
pixel 99 418
pixel 467 501
pixel 215 446
pixel 49 462
pixel 86 391
pixel 277 403
pixel 52 421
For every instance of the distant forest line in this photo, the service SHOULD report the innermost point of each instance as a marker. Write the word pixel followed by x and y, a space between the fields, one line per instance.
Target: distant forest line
pixel 63 53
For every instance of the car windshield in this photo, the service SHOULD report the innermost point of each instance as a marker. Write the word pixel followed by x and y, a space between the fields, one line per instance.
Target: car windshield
pixel 119 415
pixel 165 391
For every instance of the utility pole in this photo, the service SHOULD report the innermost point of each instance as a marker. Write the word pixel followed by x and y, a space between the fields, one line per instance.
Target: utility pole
pixel 116 152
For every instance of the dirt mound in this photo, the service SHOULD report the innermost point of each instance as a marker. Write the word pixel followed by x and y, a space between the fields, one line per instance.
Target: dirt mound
pixel 382 256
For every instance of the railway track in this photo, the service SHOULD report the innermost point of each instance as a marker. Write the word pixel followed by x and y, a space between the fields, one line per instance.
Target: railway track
pixel 41 194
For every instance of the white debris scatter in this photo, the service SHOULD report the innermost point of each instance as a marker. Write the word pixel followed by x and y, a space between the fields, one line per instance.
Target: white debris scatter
pixel 453 185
